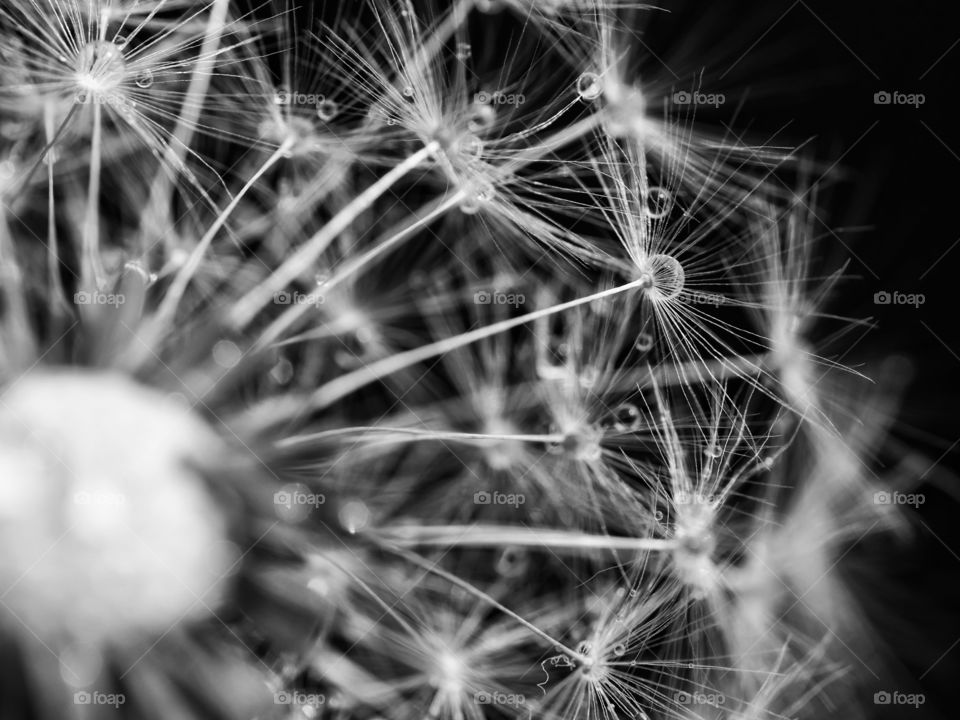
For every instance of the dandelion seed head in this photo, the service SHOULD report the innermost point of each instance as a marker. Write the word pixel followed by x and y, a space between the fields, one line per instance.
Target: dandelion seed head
pixel 112 533
pixel 100 67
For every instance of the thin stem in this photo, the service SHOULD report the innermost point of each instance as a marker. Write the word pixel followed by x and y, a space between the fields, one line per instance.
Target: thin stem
pixel 250 304
pixel 448 536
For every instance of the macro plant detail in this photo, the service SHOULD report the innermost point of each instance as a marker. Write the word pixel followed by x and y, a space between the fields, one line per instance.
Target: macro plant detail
pixel 413 359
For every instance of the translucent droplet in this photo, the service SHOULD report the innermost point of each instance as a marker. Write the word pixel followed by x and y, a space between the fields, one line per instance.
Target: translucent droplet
pixel 408 91
pixel 476 198
pixel 471 146
pixel 282 96
pixel 584 648
pixel 227 354
pixel 668 276
pixel 100 64
pixel 627 417
pixel 120 41
pixel 659 202
pixel 512 562
pixel 713 451
pixel 481 118
pixel 282 372
pixel 354 516
pixel 327 110
pixel 589 86
pixel 144 79
pixel 644 342
pixel 619 649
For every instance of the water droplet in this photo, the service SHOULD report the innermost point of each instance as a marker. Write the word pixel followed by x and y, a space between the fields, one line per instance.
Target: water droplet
pixel 589 86
pixel 713 451
pixel 668 276
pixel 619 649
pixel 227 354
pixel 354 516
pixel 282 96
pixel 144 79
pixel 471 146
pixel 627 417
pixel 120 41
pixel 659 202
pixel 512 562
pixel 644 342
pixel 327 110
pixel 408 91
pixel 584 648
pixel 481 118
pixel 282 372
pixel 476 198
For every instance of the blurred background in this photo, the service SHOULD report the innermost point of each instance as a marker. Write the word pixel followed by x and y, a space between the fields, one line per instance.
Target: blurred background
pixel 809 71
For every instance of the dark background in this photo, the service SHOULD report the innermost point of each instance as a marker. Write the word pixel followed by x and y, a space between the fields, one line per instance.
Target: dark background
pixel 806 72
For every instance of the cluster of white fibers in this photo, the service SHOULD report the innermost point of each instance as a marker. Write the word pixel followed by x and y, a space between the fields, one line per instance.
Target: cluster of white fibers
pixel 404 359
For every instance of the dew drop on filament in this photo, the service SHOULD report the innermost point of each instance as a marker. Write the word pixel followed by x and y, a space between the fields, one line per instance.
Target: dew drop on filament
pixel 589 86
